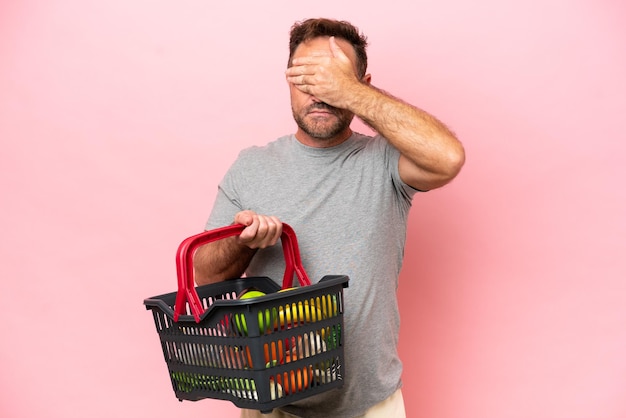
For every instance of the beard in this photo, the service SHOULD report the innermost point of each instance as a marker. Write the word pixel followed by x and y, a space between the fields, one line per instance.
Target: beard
pixel 323 128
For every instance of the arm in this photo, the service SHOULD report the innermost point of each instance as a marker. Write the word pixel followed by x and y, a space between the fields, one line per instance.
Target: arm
pixel 229 257
pixel 431 155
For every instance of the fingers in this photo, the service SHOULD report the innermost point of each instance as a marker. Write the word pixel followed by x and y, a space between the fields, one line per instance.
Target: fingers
pixel 261 230
pixel 301 74
pixel 304 69
pixel 267 232
pixel 300 80
pixel 336 49
pixel 314 58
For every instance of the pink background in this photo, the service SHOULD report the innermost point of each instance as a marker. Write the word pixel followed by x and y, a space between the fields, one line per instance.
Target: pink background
pixel 118 119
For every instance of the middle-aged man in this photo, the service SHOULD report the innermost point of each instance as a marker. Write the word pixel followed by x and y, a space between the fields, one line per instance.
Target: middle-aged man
pixel 347 196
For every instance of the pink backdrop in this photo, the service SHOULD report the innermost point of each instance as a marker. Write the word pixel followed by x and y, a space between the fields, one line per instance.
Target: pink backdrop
pixel 118 119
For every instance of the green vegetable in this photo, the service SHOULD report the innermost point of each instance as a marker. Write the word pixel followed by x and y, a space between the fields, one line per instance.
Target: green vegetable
pixel 188 382
pixel 333 338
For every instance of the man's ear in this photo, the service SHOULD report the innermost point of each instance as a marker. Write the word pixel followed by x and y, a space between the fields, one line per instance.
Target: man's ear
pixel 367 79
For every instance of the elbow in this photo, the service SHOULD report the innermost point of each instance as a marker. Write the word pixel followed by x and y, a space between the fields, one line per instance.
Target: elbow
pixel 202 273
pixel 455 160
pixel 448 167
pixel 200 278
pixel 440 169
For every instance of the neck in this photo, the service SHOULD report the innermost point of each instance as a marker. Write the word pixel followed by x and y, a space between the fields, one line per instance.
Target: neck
pixel 310 141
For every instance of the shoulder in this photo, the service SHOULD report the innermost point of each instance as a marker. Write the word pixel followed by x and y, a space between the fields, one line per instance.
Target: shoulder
pixel 375 145
pixel 277 146
pixel 256 154
pixel 380 152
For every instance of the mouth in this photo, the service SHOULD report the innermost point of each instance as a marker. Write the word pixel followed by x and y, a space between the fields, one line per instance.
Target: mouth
pixel 320 109
pixel 320 113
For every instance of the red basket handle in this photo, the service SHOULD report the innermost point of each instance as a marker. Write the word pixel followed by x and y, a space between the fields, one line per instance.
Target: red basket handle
pixel 184 265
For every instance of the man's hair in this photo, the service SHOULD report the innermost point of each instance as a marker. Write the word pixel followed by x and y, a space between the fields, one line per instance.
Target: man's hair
pixel 313 28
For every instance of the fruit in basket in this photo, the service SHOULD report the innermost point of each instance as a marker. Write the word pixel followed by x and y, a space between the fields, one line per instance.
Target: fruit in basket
pixel 329 305
pixel 312 310
pixel 296 380
pixel 251 294
pixel 303 346
pixel 263 317
pixel 310 344
pixel 274 353
pixel 234 357
pixel 296 313
pixel 276 390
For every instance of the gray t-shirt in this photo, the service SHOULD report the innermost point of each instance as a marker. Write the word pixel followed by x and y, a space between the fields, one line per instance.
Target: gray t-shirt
pixel 349 208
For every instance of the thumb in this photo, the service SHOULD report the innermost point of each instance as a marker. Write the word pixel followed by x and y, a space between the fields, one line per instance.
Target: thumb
pixel 245 217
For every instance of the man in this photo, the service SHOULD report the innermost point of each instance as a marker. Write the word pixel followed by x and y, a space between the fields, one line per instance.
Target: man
pixel 346 195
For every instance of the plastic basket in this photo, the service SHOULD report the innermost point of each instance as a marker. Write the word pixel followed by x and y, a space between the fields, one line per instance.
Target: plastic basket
pixel 259 353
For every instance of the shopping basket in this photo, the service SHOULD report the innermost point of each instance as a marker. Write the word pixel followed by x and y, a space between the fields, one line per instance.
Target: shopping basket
pixel 259 353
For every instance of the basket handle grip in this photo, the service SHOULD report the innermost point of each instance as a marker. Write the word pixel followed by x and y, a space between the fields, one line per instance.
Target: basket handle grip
pixel 184 265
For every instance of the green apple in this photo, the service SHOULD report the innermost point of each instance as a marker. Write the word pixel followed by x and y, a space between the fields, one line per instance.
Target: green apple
pixel 240 319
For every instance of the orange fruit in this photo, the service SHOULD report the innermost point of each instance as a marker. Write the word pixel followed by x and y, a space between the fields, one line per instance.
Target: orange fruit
pixel 296 380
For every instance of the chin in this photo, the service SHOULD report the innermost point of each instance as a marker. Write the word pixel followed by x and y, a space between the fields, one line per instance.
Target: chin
pixel 325 131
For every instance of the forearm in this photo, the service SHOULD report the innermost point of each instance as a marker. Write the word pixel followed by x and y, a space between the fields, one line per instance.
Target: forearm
pixel 221 260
